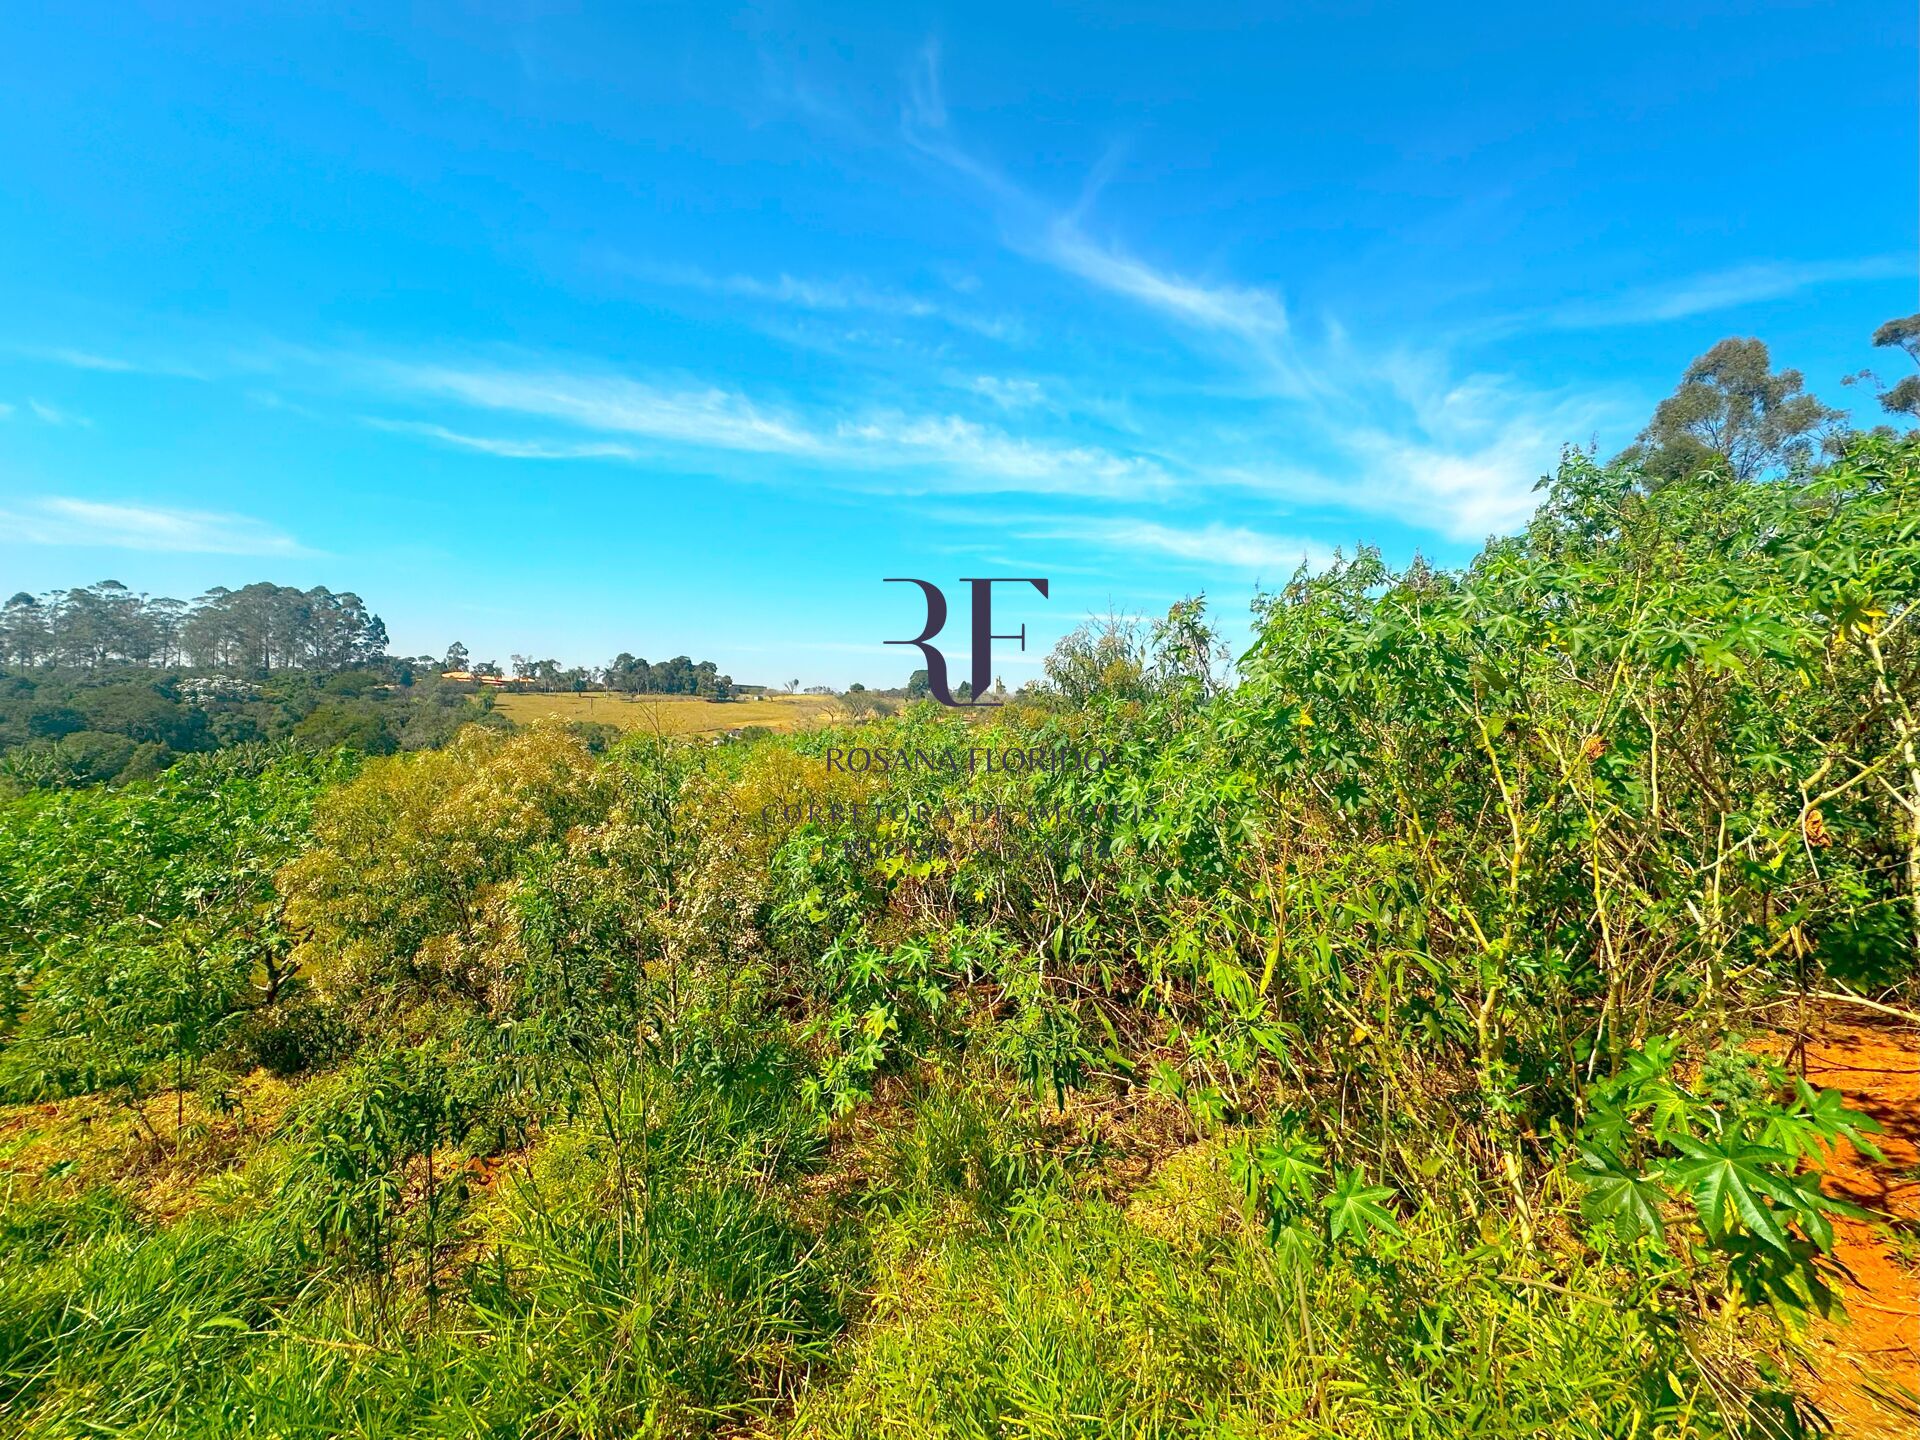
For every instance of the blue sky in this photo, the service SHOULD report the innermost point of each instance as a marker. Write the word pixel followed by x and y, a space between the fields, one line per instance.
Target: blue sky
pixel 574 329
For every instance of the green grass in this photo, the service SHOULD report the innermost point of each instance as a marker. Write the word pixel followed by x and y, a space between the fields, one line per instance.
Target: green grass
pixel 708 1301
pixel 975 1272
pixel 1075 1320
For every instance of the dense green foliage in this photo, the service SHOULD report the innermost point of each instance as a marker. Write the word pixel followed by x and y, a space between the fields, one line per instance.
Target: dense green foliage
pixel 64 728
pixel 1355 1053
pixel 631 675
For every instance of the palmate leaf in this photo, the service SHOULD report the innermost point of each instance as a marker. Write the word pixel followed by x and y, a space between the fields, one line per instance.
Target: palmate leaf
pixel 1816 1207
pixel 1732 1174
pixel 1279 1177
pixel 1290 1169
pixel 1615 1193
pixel 1823 1113
pixel 1671 1111
pixel 1813 1217
pixel 1354 1209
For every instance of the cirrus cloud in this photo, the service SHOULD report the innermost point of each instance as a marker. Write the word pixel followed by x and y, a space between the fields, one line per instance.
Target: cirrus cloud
pixel 94 524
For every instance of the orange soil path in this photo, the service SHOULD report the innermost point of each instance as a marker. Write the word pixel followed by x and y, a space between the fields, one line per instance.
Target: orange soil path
pixel 1868 1363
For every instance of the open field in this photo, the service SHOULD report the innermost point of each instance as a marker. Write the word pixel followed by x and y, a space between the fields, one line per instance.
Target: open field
pixel 671 714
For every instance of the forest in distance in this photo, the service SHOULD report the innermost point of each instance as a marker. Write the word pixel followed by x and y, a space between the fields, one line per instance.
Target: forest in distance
pixel 1415 1047
pixel 99 683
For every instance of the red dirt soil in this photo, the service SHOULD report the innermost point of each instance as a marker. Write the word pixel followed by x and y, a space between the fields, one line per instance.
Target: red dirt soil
pixel 1867 1363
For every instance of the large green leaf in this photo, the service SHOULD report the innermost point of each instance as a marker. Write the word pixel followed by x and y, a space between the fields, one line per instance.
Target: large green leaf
pixel 1823 1114
pixel 1732 1174
pixel 1616 1194
pixel 1354 1208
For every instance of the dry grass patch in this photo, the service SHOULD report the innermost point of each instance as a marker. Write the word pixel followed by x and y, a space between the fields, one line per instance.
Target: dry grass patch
pixel 672 714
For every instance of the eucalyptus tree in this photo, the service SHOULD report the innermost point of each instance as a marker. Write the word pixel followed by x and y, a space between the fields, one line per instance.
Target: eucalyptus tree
pixel 1902 334
pixel 1733 410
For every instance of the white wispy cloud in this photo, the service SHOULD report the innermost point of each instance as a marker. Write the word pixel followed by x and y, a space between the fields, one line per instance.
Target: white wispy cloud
pixel 1250 320
pixel 1463 491
pixel 940 450
pixel 1248 311
pixel 712 416
pixel 95 524
pixel 1722 290
pixel 1252 315
pixel 926 106
pixel 819 295
pixel 993 458
pixel 1212 546
pixel 807 294
pixel 78 359
pixel 1009 394
pixel 1392 430
pixel 87 360
pixel 53 415
pixel 511 449
pixel 1397 436
pixel 1459 458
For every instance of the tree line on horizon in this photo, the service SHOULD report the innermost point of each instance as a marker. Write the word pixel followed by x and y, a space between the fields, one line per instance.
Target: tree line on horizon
pixel 262 628
pixel 101 684
pixel 265 629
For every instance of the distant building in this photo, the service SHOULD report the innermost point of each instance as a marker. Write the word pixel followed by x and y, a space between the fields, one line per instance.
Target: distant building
pixel 492 682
